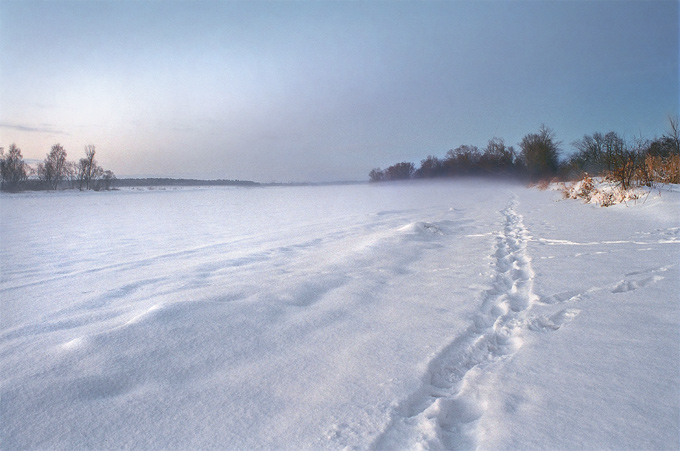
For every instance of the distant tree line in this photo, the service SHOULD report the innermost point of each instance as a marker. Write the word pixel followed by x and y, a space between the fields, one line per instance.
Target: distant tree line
pixel 625 162
pixel 134 182
pixel 54 172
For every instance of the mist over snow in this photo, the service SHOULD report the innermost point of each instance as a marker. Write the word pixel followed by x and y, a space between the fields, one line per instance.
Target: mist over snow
pixel 456 315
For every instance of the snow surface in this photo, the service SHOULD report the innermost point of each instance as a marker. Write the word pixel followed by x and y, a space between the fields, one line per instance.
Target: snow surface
pixel 392 316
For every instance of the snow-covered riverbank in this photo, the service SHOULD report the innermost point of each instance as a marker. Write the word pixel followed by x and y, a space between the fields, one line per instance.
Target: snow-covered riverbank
pixel 449 315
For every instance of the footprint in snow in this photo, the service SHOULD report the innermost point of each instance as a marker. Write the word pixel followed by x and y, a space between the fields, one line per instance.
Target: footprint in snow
pixel 574 295
pixel 553 322
pixel 631 285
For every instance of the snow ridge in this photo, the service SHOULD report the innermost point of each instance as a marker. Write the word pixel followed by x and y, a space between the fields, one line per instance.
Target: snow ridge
pixel 445 411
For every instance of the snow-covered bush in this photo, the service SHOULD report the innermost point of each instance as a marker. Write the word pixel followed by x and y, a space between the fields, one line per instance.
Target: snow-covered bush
pixel 582 189
pixel 603 192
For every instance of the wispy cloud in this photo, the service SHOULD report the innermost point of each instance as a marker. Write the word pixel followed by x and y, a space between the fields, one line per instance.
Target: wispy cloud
pixel 25 128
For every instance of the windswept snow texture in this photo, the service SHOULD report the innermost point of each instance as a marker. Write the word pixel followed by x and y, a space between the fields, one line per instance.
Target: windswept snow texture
pixel 391 316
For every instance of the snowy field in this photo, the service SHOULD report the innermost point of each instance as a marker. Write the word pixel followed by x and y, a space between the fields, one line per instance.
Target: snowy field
pixel 456 315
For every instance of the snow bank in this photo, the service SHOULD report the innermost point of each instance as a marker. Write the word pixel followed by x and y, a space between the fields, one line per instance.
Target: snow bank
pixel 605 193
pixel 449 315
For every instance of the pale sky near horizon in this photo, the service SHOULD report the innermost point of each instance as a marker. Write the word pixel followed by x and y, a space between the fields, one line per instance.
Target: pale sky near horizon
pixel 321 91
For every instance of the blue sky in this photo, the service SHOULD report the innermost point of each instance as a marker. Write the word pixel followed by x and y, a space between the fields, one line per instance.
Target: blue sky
pixel 320 91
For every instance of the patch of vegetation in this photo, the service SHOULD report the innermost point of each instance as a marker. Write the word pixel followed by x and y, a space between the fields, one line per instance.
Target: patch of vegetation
pixel 623 164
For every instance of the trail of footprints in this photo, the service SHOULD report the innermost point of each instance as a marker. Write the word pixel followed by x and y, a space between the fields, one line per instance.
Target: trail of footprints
pixel 444 411
pixel 496 334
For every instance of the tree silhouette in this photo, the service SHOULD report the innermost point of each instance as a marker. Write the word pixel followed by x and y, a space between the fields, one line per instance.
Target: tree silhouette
pixel 55 168
pixel 88 170
pixel 540 153
pixel 13 169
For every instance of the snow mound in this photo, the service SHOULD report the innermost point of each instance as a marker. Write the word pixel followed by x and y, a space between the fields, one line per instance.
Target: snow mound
pixel 422 229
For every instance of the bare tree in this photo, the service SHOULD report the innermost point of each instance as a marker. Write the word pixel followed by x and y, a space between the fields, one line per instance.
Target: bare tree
pixel 107 179
pixel 71 173
pixel 13 169
pixel 91 166
pixel 614 151
pixel 430 167
pixel 400 171
pixel 87 170
pixel 497 157
pixel 54 169
pixel 376 175
pixel 668 144
pixel 590 155
pixel 673 135
pixel 462 160
pixel 81 173
pixel 540 153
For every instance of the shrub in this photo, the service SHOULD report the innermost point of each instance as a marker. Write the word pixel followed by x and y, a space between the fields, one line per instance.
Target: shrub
pixel 658 169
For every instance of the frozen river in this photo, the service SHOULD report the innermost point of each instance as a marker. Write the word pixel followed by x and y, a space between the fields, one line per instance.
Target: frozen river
pixel 391 316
